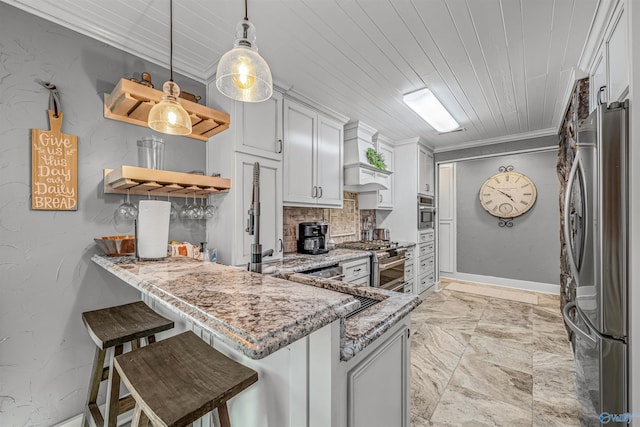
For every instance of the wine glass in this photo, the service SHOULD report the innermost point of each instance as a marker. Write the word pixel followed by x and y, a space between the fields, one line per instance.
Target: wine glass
pixel 186 212
pixel 210 211
pixel 197 211
pixel 173 213
pixel 126 212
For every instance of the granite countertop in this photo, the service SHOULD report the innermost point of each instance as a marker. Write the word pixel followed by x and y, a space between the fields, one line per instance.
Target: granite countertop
pixel 365 327
pixel 259 314
pixel 254 313
pixel 296 263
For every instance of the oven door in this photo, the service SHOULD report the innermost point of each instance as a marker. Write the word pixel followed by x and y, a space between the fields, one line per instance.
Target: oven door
pixel 391 273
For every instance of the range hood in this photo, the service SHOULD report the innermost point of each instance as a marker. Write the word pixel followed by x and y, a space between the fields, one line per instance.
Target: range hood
pixel 359 175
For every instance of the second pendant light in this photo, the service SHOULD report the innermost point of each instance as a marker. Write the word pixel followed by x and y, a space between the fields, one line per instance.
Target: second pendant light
pixel 242 73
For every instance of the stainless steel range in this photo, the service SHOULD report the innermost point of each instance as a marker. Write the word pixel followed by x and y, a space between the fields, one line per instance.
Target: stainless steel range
pixel 387 262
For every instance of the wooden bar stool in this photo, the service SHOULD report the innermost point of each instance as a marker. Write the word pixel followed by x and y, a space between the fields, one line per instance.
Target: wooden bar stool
pixel 178 380
pixel 112 327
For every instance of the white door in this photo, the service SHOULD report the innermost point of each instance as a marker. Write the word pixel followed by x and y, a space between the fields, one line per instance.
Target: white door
pixel 329 156
pixel 299 168
pixel 447 217
pixel 261 127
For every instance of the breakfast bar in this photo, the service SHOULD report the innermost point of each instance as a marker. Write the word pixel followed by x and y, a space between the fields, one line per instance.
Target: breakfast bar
pixel 317 365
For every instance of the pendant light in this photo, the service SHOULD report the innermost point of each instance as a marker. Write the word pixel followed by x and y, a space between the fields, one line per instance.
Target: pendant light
pixel 242 73
pixel 169 116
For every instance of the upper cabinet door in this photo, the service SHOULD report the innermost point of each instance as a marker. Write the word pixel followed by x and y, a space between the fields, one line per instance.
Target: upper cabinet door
pixel 424 183
pixel 260 129
pixel 329 164
pixel 598 80
pixel 618 81
pixel 386 196
pixel 300 126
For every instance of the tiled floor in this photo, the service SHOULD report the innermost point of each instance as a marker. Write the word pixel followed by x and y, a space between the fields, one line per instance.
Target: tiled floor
pixel 487 361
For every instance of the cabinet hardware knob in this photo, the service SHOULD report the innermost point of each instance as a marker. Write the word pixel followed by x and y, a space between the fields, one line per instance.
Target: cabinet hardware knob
pixel 281 245
pixel 408 333
pixel 320 195
pixel 380 195
pixel 314 194
pixel 280 146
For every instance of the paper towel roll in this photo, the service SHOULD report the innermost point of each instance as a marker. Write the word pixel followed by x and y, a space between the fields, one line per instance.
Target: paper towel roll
pixel 153 228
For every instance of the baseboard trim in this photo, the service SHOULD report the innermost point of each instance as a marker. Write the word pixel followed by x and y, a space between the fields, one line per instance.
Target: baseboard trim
pixel 547 288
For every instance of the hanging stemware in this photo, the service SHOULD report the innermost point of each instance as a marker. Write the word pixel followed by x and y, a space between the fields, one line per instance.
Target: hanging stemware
pixel 126 212
pixel 173 212
pixel 198 210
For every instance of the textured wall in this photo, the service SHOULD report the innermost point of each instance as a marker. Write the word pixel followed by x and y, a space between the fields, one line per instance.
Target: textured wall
pixel 345 223
pixel 527 251
pixel 47 277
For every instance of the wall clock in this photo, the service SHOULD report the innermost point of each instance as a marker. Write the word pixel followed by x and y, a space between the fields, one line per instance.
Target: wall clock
pixel 508 194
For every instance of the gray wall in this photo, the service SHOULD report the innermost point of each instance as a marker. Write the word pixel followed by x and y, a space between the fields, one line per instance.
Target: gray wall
pixel 530 250
pixel 47 278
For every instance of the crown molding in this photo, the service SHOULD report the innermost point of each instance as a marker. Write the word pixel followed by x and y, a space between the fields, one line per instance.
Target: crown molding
pixel 500 140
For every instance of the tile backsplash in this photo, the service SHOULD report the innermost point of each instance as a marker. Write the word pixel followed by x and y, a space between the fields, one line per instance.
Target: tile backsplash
pixel 344 224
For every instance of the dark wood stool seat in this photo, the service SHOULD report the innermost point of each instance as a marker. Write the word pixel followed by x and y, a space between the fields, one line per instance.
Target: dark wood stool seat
pixel 113 327
pixel 178 380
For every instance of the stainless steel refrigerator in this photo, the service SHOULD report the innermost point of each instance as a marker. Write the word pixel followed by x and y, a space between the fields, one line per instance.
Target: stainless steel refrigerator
pixel 596 230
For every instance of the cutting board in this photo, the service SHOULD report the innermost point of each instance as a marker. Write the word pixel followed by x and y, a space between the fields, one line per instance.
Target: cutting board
pixel 54 168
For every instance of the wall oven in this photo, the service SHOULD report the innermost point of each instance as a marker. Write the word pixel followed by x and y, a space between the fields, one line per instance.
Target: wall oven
pixel 426 212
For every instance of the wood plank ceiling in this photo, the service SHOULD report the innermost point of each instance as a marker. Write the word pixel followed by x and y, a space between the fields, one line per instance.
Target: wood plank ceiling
pixel 501 67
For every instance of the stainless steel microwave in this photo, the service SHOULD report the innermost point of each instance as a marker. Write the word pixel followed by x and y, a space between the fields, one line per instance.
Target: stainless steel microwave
pixel 426 212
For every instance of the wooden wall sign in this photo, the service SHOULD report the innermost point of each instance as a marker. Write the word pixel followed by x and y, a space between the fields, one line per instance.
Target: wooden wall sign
pixel 54 168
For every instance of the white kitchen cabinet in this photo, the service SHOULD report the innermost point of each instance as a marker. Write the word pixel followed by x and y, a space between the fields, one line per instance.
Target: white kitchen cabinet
pixel 415 162
pixel 380 199
pixel 609 71
pixel 357 272
pixel 270 207
pixel 378 389
pixel 598 80
pixel 252 137
pixel 617 54
pixel 312 157
pixel 410 271
pixel 425 171
pixel 426 260
pixel 259 127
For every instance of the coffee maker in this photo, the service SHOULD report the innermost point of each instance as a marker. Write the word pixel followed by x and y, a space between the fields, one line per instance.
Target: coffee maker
pixel 312 238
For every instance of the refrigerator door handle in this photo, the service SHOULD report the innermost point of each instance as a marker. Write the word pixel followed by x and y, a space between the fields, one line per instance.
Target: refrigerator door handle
pixel 573 175
pixel 590 336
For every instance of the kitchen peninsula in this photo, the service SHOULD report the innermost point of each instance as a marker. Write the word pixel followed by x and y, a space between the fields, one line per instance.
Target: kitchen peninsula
pixel 316 367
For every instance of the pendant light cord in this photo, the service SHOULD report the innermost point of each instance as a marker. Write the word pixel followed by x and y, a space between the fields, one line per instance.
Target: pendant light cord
pixel 171 39
pixel 246 14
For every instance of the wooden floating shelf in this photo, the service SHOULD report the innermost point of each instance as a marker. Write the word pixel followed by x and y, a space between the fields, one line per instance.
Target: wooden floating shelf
pixel 130 102
pixel 157 182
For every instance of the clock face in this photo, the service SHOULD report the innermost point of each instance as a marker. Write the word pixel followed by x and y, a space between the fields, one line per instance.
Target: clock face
pixel 508 194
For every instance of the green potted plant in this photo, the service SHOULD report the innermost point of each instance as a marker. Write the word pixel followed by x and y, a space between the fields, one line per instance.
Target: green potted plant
pixel 376 159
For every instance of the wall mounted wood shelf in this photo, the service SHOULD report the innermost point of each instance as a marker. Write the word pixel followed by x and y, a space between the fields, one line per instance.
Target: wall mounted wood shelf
pixel 162 183
pixel 130 102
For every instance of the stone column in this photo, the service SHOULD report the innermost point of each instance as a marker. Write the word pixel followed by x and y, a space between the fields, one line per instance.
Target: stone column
pixel 577 110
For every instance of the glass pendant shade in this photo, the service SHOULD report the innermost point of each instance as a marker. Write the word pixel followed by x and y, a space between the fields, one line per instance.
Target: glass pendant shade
pixel 169 116
pixel 242 73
